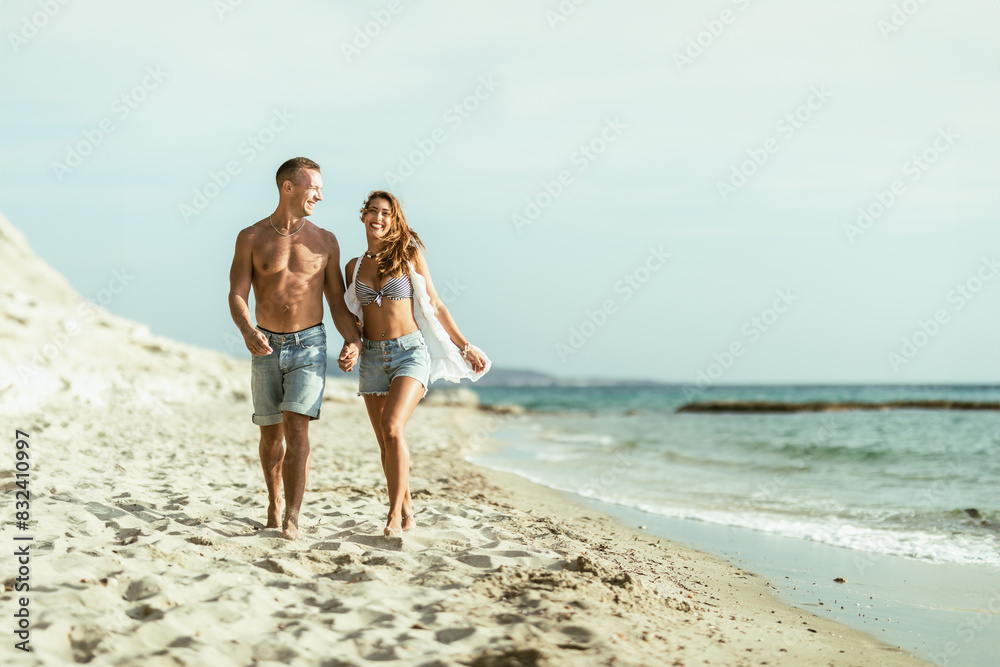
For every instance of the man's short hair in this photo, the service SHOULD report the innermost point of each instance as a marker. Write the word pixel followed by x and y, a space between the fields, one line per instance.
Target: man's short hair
pixel 290 170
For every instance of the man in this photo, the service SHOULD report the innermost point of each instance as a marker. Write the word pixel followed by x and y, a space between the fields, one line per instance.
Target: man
pixel 291 264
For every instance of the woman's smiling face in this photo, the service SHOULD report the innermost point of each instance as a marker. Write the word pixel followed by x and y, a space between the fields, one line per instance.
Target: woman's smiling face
pixel 377 217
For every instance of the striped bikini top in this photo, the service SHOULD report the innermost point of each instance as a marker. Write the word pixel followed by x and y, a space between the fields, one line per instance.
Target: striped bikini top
pixel 397 289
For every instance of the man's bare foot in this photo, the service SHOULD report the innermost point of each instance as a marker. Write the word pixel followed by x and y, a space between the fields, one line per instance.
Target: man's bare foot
pixel 290 530
pixel 274 514
pixel 408 521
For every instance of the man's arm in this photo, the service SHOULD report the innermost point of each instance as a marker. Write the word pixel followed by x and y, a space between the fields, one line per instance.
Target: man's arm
pixel 343 318
pixel 239 295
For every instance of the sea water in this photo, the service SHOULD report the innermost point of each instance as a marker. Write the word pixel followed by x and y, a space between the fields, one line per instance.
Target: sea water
pixel 921 484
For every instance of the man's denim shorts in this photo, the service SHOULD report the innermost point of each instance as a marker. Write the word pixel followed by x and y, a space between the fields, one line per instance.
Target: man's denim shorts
pixel 291 378
pixel 382 361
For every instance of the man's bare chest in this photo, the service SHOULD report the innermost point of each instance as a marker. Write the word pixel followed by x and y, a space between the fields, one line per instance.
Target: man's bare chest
pixel 289 256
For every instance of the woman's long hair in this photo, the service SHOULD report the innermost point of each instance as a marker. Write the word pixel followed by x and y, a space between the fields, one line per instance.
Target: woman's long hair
pixel 400 243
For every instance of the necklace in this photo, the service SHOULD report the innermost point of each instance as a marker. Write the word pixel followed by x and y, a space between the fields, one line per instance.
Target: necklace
pixel 293 233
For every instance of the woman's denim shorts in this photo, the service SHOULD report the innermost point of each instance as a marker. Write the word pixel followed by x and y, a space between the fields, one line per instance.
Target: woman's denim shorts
pixel 382 361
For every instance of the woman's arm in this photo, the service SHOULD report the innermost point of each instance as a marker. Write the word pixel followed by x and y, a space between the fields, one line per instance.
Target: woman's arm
pixel 444 317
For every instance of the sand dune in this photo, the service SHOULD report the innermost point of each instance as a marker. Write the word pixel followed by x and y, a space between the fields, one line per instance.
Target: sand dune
pixel 150 548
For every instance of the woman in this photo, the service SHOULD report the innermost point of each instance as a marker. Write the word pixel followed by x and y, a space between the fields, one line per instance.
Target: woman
pixel 408 340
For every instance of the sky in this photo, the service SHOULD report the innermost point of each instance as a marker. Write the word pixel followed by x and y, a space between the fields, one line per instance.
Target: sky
pixel 694 192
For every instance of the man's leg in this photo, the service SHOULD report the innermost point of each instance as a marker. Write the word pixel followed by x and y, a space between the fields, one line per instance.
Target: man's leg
pixel 294 470
pixel 272 451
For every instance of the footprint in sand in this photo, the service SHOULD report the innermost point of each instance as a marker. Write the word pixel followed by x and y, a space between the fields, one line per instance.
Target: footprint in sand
pixel 452 635
pixel 103 512
pixel 477 560
pixel 84 640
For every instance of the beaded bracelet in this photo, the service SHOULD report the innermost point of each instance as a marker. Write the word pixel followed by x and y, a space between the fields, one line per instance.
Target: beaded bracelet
pixel 465 350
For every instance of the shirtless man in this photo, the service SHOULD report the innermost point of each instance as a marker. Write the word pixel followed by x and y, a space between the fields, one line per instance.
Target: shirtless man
pixel 291 264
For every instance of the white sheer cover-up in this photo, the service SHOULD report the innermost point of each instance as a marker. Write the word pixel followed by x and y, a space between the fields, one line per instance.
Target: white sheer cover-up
pixel 446 359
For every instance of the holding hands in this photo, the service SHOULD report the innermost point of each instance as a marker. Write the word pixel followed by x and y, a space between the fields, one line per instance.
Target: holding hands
pixel 348 356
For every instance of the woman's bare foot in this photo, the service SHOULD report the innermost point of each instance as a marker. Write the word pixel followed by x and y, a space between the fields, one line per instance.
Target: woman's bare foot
pixel 290 530
pixel 408 521
pixel 393 526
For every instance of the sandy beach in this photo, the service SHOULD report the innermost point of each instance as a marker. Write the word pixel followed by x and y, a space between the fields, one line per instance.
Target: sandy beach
pixel 149 547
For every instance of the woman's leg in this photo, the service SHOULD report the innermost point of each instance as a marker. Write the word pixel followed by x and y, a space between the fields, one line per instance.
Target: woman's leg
pixel 375 405
pixel 404 394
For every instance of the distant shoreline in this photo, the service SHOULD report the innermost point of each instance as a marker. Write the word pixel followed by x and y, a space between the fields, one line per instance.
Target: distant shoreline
pixel 833 406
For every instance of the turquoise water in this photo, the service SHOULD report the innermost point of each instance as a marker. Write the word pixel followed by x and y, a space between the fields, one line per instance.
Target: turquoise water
pixel 889 482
